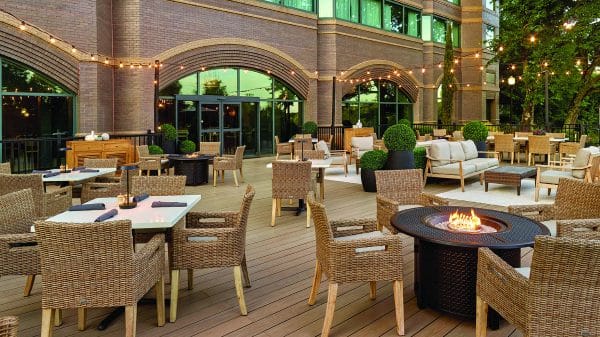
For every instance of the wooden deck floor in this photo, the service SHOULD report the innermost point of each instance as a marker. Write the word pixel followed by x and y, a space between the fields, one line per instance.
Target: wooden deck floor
pixel 280 262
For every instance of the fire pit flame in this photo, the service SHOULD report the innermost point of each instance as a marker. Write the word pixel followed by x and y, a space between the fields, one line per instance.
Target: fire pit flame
pixel 464 222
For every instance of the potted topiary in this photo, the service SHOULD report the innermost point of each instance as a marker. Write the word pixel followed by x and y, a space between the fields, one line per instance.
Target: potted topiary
pixel 310 127
pixel 400 140
pixel 477 132
pixel 170 136
pixel 187 146
pixel 370 162
pixel 405 122
pixel 155 149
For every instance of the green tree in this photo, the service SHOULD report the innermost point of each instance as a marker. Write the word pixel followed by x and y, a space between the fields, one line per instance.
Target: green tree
pixel 448 88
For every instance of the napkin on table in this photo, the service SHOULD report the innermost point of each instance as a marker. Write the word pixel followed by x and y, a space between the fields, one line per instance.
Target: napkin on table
pixel 107 215
pixel 51 174
pixel 86 170
pixel 41 171
pixel 169 204
pixel 78 168
pixel 140 197
pixel 87 207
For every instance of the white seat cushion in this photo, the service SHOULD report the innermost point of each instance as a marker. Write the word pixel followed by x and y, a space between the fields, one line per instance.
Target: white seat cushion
pixel 525 271
pixel 453 169
pixel 552 176
pixel 551 224
pixel 470 149
pixel 483 163
pixel 361 236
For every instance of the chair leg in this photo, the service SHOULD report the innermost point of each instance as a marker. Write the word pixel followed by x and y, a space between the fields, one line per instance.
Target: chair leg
pixel 160 301
pixel 278 207
pixel 331 296
pixel 47 318
pixel 241 175
pixel 235 178
pixel 537 192
pixel 307 216
pixel 222 176
pixel 28 285
pixel 130 320
pixel 190 279
pixel 399 305
pixel 81 318
pixel 57 317
pixel 214 178
pixel 481 316
pixel 314 290
pixel 245 273
pixel 372 289
pixel 273 212
pixel 239 289
pixel 174 295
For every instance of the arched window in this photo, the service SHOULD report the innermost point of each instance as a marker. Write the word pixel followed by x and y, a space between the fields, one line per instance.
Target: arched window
pixel 378 104
pixel 33 105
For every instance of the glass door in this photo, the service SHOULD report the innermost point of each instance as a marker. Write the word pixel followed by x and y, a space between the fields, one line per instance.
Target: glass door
pixel 231 132
pixel 210 122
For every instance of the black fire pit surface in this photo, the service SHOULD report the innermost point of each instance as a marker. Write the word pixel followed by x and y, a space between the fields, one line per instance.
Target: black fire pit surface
pixel 446 261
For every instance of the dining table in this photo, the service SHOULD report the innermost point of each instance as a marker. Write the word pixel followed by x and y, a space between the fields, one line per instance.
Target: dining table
pixel 76 176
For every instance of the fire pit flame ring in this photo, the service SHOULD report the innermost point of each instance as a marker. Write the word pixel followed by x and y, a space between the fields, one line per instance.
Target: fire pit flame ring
pixel 488 224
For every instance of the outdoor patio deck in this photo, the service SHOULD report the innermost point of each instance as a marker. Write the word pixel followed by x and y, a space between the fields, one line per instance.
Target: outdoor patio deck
pixel 280 263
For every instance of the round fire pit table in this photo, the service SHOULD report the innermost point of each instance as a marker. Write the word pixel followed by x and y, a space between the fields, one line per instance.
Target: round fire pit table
pixel 446 259
pixel 195 168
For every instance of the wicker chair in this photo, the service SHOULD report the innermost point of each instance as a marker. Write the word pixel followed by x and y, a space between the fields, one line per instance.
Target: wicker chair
pixel 579 228
pixel 100 162
pixel 150 162
pixel 17 214
pixel 230 163
pixel 539 145
pixel 46 203
pixel 9 326
pixel 115 275
pixel 354 251
pixel 359 146
pixel 301 145
pixel 574 200
pixel 338 157
pixel 93 190
pixel 158 185
pixel 506 143
pixel 398 190
pixel 557 296
pixel 566 149
pixel 210 244
pixel 282 148
pixel 209 148
pixel 291 180
pixel 5 168
pixel 439 133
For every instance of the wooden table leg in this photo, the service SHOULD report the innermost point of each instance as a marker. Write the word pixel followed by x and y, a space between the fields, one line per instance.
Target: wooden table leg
pixel 322 183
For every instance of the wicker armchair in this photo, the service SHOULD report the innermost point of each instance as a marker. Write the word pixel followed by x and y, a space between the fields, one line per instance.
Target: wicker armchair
pixel 579 229
pixel 505 143
pixel 574 200
pixel 302 144
pixel 115 275
pixel 212 243
pixel 557 296
pixel 5 168
pixel 282 148
pixel 93 190
pixel 398 190
pixel 100 162
pixel 354 251
pixel 291 180
pixel 566 149
pixel 9 326
pixel 539 145
pixel 209 148
pixel 150 162
pixel 16 217
pixel 230 163
pixel 158 185
pixel 46 203
pixel 338 157
pixel 439 133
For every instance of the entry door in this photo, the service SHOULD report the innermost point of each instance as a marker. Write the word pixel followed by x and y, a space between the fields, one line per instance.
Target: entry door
pixel 220 122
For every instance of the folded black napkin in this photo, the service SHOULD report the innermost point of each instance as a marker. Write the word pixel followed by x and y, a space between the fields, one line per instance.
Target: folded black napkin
pixel 51 174
pixel 107 215
pixel 87 207
pixel 140 197
pixel 78 168
pixel 41 171
pixel 169 204
pixel 86 170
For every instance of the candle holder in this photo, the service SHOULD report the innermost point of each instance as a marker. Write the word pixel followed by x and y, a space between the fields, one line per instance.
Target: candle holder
pixel 127 203
pixel 64 168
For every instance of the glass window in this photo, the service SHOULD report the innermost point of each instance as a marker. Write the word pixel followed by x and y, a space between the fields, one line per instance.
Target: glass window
pixel 370 13
pixel 455 34
pixel 388 91
pixel 305 5
pixel 412 22
pixel 392 17
pixel 36 116
pixel 456 2
pixel 255 84
pixel 347 10
pixel 283 92
pixel 219 82
pixel 426 24
pixel 326 8
pixel 489 35
pixel 17 77
pixel 185 86
pixel 437 27
pixel 490 78
pixel 438 30
pixel 490 4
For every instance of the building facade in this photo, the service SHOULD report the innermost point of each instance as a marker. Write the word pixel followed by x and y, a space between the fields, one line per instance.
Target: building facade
pixel 240 71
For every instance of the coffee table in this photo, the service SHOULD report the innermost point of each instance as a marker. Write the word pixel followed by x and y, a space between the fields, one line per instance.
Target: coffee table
pixel 508 175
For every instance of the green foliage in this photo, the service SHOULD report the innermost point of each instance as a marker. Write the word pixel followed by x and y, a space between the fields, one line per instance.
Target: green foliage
pixel 310 127
pixel 405 122
pixel 399 137
pixel 475 131
pixel 187 146
pixel 420 160
pixel 155 149
pixel 448 88
pixel 373 160
pixel 169 131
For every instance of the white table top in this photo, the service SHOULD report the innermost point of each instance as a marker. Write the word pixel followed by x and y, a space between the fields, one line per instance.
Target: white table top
pixel 316 163
pixel 525 138
pixel 77 176
pixel 314 140
pixel 142 217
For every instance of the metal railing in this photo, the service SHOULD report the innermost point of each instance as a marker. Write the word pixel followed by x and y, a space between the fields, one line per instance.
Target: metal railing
pixel 337 143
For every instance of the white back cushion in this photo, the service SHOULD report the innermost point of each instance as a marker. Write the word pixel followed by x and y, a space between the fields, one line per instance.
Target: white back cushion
pixel 321 145
pixel 456 151
pixel 362 143
pixel 581 159
pixel 440 153
pixel 470 149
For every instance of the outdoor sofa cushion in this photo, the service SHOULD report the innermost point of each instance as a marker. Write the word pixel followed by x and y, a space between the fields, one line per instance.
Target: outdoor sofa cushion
pixel 456 151
pixel 470 149
pixel 362 236
pixel 363 144
pixel 582 158
pixel 440 153
pixel 321 145
pixel 453 169
pixel 552 176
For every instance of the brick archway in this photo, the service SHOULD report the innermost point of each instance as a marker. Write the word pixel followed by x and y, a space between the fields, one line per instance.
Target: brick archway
pixel 399 77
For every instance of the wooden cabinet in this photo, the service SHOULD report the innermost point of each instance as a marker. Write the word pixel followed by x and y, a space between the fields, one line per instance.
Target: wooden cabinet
pixel 121 149
pixel 352 132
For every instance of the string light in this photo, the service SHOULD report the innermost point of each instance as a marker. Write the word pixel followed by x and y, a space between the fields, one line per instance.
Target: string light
pixel 106 61
pixel 120 64
pixel 93 57
pixel 73 49
pixel 22 26
pixel 532 39
pixel 52 39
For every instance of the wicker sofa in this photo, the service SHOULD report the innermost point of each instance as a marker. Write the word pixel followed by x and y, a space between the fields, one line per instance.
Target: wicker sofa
pixel 457 160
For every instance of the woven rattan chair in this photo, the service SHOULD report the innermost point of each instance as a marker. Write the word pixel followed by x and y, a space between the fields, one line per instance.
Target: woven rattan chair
pixel 579 229
pixel 209 148
pixel 338 157
pixel 100 162
pixel 17 214
pixel 282 148
pixel 9 326
pixel 359 146
pixel 558 296
pixel 574 200
pixel 229 163
pixel 506 143
pixel 355 251
pixel 302 144
pixel 399 190
pixel 5 168
pixel 93 190
pixel 158 185
pixel 46 203
pixel 90 265
pixel 150 162
pixel 291 180
pixel 439 133
pixel 566 149
pixel 209 240
pixel 539 145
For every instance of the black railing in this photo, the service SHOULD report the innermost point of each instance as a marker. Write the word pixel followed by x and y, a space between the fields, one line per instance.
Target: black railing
pixel 337 143
pixel 27 154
